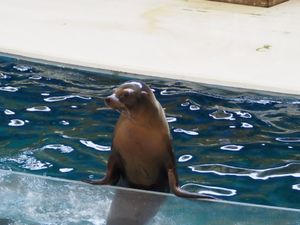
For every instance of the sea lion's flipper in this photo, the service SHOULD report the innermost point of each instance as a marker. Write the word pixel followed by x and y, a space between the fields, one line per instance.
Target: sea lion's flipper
pixel 112 175
pixel 173 183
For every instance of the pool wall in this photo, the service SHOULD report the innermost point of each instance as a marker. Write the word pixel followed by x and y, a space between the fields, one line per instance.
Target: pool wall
pixel 31 199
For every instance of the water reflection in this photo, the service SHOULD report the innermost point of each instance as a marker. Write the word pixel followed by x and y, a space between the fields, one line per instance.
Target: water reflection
pixel 209 190
pixel 185 158
pixel 9 89
pixel 16 123
pixel 288 170
pixel 63 98
pixel 222 115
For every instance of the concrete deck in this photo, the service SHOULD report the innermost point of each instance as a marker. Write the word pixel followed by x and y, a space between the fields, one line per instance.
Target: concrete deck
pixel 199 40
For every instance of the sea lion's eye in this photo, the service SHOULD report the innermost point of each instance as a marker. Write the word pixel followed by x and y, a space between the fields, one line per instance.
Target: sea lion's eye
pixel 123 96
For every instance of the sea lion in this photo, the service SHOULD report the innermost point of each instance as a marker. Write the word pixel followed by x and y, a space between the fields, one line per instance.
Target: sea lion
pixel 142 156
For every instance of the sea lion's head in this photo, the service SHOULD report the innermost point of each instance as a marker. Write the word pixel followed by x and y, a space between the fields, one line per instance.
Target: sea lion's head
pixel 129 96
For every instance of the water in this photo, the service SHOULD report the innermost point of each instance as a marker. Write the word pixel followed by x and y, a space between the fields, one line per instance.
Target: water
pixel 235 144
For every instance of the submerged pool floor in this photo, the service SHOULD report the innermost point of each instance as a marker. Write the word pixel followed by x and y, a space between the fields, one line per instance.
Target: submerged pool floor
pixel 235 144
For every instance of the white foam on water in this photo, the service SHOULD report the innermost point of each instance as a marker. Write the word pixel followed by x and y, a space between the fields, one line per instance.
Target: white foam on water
pixel 27 161
pixel 59 147
pixel 22 68
pixel 30 200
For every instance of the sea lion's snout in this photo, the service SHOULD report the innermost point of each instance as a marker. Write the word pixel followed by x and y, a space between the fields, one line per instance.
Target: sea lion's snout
pixel 112 101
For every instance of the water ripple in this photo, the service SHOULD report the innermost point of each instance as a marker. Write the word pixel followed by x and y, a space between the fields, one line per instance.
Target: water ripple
pixel 194 107
pixel 59 147
pixel 232 147
pixel 27 161
pixel 291 169
pixel 63 98
pixel 39 109
pixel 185 104
pixel 9 89
pixel 169 92
pixel 9 112
pixel 222 115
pixel 244 114
pixel 288 139
pixel 185 158
pixel 171 119
pixel 23 68
pixel 246 125
pixel 208 190
pixel 188 132
pixel 3 76
pixel 65 170
pixel 35 77
pixel 260 101
pixel 91 144
pixel 296 102
pixel 296 187
pixel 16 123
pixel 64 122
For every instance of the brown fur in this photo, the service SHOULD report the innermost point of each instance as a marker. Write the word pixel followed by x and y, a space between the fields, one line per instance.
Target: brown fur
pixel 142 155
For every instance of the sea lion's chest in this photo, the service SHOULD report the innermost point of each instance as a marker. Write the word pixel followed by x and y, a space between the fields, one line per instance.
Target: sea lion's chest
pixel 143 151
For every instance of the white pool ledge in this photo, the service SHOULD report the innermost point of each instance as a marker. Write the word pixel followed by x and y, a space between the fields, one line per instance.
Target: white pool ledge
pixel 198 40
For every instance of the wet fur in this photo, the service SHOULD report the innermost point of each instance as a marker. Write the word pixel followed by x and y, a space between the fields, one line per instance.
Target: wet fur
pixel 142 155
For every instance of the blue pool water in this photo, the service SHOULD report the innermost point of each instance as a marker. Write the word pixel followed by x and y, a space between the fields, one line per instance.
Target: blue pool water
pixel 237 144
